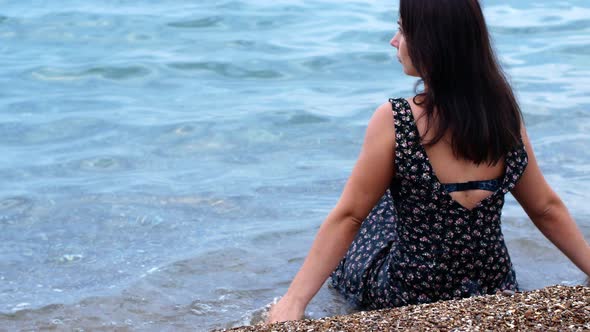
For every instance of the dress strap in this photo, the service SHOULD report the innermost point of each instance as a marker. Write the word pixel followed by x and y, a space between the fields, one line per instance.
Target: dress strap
pixel 407 140
pixel 402 119
pixel 489 185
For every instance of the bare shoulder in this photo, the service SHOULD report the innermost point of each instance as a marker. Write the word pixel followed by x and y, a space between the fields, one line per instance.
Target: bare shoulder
pixel 382 117
pixel 381 123
pixel 384 112
pixel 384 108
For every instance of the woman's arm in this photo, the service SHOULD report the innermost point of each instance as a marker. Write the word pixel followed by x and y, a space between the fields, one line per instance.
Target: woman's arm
pixel 549 214
pixel 370 177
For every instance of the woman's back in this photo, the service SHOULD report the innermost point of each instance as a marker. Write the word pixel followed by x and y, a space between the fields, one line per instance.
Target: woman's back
pixel 450 169
pixel 421 244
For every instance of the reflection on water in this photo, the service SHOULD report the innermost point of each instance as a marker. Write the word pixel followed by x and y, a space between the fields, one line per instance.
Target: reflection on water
pixel 166 165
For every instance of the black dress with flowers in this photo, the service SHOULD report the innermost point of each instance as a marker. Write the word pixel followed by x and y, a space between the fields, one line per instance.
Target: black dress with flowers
pixel 418 245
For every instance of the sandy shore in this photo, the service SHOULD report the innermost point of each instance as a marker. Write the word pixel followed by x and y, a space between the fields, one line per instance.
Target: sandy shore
pixel 555 308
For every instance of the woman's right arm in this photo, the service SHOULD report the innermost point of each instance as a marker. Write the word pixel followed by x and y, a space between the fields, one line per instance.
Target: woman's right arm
pixel 370 178
pixel 549 214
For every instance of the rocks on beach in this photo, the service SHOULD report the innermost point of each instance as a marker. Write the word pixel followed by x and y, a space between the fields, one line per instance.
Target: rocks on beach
pixel 555 308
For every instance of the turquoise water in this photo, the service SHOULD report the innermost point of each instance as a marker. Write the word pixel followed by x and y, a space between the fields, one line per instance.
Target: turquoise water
pixel 166 164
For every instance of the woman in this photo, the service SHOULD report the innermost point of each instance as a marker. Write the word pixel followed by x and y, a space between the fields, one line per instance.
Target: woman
pixel 427 190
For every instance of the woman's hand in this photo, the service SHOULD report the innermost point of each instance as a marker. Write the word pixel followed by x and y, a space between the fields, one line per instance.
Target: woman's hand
pixel 285 310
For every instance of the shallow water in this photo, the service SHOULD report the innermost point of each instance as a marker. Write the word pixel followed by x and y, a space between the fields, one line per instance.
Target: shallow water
pixel 166 165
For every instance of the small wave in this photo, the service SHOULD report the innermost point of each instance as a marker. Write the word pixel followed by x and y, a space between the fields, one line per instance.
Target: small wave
pixel 117 73
pixel 182 149
pixel 70 258
pixel 576 49
pixel 227 70
pixel 306 118
pixel 25 309
pixel 256 316
pixel 206 22
pixel 514 21
pixel 377 57
pixel 104 164
pixel 109 72
pixel 184 130
pixel 276 237
pixel 14 207
pixel 264 47
pixel 319 63
pixel 13 202
pixel 70 128
pixel 536 29
pixel 199 308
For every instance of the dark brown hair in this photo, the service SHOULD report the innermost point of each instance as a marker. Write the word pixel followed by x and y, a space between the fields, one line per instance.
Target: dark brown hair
pixel 449 45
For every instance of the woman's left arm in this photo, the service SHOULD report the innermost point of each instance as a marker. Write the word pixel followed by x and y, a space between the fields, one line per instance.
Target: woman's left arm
pixel 549 214
pixel 370 178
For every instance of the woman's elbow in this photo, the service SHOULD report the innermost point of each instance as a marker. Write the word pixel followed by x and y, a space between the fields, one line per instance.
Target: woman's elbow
pixel 343 214
pixel 550 211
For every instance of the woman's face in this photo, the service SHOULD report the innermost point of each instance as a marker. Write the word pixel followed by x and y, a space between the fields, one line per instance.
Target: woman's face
pixel 398 41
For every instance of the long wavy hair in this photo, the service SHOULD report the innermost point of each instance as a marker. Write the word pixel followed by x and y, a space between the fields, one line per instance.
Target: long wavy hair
pixel 465 89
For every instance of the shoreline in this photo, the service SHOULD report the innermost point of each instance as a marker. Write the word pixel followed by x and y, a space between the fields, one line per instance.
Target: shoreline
pixel 551 308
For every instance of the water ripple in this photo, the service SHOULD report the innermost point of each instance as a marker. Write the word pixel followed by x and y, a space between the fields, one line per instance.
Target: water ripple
pixel 67 129
pixel 227 70
pixel 579 25
pixel 206 22
pixel 105 72
pixel 542 19
pixel 14 208
pixel 105 164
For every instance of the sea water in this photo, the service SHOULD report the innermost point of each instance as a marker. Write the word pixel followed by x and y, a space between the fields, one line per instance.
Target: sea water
pixel 166 164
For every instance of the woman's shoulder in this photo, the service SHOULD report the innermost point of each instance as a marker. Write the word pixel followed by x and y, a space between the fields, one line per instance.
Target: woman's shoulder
pixel 382 120
pixel 383 113
pixel 396 104
pixel 385 117
pixel 394 109
pixel 401 99
pixel 399 104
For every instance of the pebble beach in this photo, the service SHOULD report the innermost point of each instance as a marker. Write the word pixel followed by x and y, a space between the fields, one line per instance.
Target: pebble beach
pixel 554 308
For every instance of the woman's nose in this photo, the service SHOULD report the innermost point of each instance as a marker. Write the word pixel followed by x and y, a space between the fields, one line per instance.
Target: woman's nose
pixel 394 42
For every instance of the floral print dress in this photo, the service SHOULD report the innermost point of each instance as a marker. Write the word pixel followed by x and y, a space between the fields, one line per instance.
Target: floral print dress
pixel 418 245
